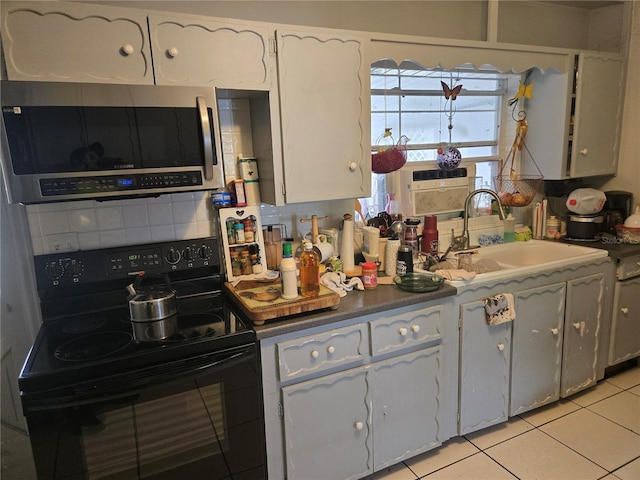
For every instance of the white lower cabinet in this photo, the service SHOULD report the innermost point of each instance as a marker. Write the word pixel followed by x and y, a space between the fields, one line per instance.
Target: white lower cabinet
pixel 625 327
pixel 582 327
pixel 536 356
pixel 484 369
pixel 344 402
pixel 327 428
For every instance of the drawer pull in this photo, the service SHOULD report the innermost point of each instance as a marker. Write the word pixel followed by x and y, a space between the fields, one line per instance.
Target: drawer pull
pixel 315 354
pixel 415 328
pixel 352 166
pixel 501 346
pixel 576 326
pixel 127 49
pixel 403 331
pixel 554 331
pixel 173 52
pixel 358 425
pixel 331 349
pixel 624 310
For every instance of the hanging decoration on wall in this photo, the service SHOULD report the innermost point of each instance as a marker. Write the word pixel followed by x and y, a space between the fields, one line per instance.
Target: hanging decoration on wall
pixel 449 157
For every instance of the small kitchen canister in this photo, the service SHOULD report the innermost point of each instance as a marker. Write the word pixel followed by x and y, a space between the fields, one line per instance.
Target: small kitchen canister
pixel 404 263
pixel 369 275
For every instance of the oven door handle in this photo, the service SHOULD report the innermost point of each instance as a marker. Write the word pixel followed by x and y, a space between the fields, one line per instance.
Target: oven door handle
pixel 131 384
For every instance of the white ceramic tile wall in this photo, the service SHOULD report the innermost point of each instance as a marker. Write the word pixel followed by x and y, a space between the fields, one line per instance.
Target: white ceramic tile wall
pixel 85 225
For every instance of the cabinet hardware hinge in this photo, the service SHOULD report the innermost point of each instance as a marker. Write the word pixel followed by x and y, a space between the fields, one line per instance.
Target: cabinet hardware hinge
pixel 280 410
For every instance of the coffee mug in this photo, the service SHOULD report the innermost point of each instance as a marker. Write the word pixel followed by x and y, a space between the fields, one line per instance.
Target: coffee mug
pixel 324 250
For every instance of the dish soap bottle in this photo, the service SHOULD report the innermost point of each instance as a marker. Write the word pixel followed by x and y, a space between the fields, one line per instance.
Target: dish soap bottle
pixel 288 277
pixel 510 229
pixel 309 272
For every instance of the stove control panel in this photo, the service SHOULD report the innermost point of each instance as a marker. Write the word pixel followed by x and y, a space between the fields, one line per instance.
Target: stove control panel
pixel 90 266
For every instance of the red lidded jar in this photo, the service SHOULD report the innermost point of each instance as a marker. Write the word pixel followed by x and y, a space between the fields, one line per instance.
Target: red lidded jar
pixel 369 275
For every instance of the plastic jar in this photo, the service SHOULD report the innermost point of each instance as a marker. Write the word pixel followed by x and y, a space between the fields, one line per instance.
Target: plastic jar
pixel 553 227
pixel 369 275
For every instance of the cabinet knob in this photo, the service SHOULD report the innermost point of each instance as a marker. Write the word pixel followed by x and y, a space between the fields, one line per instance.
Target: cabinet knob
pixel 624 310
pixel 173 52
pixel 358 425
pixel 331 349
pixel 403 331
pixel 315 354
pixel 501 346
pixel 554 331
pixel 352 166
pixel 127 49
pixel 576 326
pixel 584 152
pixel 415 328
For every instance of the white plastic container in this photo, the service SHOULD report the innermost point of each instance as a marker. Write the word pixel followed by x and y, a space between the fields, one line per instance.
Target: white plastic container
pixel 586 201
pixel 288 273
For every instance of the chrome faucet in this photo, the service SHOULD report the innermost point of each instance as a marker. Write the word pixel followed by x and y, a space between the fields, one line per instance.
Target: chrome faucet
pixel 464 238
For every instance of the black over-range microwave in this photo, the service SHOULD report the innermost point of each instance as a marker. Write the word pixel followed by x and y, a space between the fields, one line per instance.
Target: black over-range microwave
pixel 71 141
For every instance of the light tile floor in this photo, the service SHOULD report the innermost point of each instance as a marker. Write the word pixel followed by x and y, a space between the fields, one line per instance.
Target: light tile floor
pixel 592 435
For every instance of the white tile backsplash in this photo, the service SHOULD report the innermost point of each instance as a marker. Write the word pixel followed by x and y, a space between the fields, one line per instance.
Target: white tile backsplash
pixel 89 224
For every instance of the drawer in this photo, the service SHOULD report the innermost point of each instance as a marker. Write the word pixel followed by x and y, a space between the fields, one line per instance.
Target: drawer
pixel 320 352
pixel 397 332
pixel 628 267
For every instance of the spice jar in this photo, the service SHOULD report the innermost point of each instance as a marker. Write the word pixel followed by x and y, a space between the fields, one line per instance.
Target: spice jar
pixel 236 268
pixel 238 229
pixel 249 235
pixel 369 275
pixel 245 262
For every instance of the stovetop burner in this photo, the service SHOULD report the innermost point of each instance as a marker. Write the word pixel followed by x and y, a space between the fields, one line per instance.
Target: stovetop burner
pixel 93 346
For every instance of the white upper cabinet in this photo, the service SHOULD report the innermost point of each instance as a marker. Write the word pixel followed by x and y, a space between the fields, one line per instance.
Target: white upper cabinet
pixel 73 42
pixel 574 119
pixel 203 52
pixel 324 102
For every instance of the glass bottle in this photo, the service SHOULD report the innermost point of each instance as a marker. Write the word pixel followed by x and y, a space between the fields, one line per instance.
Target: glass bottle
pixel 231 234
pixel 238 228
pixel 271 249
pixel 245 262
pixel 249 235
pixel 256 264
pixel 236 268
pixel 309 272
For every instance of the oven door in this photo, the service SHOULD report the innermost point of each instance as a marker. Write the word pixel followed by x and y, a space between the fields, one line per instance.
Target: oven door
pixel 197 418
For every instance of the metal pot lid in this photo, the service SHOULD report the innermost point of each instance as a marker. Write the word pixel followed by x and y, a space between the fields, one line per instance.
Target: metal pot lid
pixel 586 218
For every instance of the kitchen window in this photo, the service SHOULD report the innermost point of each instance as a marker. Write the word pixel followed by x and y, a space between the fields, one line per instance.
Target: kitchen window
pixel 409 99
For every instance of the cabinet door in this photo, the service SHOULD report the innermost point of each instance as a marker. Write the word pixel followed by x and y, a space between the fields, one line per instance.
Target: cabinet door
pixel 597 116
pixel 625 327
pixel 405 406
pixel 585 297
pixel 485 351
pixel 536 355
pixel 70 42
pixel 225 54
pixel 324 102
pixel 327 428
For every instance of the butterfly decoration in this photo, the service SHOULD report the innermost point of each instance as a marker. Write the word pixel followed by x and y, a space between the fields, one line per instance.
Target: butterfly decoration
pixel 524 91
pixel 450 93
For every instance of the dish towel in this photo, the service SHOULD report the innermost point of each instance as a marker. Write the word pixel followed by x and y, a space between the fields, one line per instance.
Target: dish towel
pixel 499 308
pixel 337 281
pixel 456 274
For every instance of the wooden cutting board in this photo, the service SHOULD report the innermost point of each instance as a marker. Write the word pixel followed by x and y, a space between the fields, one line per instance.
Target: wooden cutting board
pixel 257 302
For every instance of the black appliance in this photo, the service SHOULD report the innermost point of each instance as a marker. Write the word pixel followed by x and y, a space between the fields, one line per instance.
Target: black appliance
pixel 616 209
pixel 100 404
pixel 71 141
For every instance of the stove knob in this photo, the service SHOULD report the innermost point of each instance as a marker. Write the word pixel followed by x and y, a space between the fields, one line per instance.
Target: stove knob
pixel 204 252
pixel 173 256
pixel 188 254
pixel 54 270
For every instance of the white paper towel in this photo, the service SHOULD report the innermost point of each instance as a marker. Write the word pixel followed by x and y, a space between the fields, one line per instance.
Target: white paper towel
pixel 346 247
pixel 391 256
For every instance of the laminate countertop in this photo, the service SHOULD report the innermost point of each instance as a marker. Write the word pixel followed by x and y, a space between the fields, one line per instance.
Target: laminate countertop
pixel 356 303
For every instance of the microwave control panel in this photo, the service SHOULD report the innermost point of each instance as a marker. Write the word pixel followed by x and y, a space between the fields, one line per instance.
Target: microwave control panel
pixel 118 183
